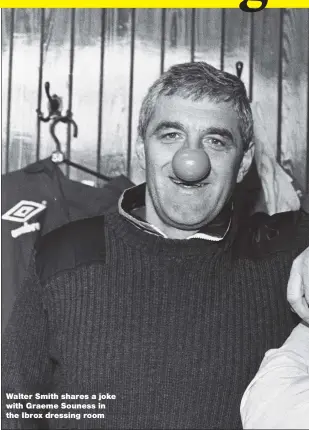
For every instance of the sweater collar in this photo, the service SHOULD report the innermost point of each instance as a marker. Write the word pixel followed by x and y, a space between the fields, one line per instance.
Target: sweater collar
pixel 133 199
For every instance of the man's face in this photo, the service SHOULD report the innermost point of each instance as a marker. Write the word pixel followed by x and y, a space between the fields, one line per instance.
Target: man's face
pixel 183 123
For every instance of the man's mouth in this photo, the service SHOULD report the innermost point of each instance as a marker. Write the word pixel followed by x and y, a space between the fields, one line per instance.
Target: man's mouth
pixel 188 184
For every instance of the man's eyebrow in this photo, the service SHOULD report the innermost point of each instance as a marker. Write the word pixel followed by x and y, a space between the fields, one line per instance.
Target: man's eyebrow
pixel 224 132
pixel 168 124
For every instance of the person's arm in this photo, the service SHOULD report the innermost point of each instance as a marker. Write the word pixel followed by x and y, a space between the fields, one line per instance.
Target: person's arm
pixel 26 366
pixel 278 396
pixel 298 285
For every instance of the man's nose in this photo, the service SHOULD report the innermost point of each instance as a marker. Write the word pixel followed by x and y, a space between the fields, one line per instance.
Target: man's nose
pixel 193 142
pixel 191 162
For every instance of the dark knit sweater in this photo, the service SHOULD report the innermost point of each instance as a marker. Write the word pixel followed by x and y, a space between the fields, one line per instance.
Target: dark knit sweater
pixel 174 329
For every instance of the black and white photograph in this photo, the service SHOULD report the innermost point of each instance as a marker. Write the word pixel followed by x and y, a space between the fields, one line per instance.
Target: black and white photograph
pixel 155 218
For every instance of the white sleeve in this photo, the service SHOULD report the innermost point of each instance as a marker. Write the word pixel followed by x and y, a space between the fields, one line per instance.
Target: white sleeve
pixel 278 396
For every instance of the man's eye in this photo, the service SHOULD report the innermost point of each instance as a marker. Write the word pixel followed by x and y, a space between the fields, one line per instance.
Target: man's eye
pixel 215 142
pixel 171 136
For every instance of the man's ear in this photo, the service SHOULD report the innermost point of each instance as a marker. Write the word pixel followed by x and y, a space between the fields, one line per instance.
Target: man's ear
pixel 140 152
pixel 246 162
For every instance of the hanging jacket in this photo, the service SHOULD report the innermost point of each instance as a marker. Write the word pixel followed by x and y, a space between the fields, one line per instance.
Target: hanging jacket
pixel 36 200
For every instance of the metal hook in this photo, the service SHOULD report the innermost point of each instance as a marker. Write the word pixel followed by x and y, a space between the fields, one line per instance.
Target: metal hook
pixel 239 68
pixel 55 102
pixel 67 120
pixel 47 90
pixel 54 105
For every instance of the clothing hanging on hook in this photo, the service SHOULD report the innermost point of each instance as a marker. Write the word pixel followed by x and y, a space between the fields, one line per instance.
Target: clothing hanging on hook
pixel 36 200
pixel 83 168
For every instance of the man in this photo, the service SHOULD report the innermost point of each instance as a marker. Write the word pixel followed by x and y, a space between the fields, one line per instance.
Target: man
pixel 167 306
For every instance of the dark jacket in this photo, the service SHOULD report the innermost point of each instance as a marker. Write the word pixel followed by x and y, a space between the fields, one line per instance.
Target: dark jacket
pixel 41 196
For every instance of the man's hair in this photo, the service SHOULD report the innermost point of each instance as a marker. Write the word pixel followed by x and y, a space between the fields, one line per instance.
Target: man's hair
pixel 196 81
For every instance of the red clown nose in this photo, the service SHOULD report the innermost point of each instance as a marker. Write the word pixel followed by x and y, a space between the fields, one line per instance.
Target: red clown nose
pixel 191 165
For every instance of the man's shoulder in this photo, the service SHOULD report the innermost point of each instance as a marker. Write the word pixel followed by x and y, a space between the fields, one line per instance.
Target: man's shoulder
pixel 262 234
pixel 70 246
pixel 266 227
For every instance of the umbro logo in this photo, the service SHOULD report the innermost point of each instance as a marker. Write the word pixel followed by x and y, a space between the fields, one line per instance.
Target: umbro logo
pixel 22 212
